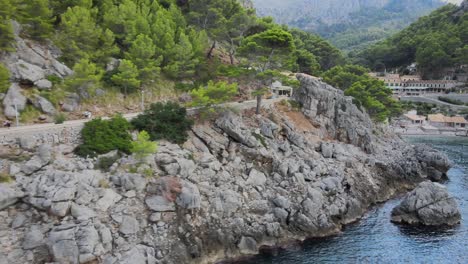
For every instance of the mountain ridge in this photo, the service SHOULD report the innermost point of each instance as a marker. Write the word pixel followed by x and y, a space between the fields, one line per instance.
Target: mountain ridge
pixel 351 24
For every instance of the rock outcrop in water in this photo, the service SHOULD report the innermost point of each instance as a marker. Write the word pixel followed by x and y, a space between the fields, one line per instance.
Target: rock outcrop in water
pixel 239 183
pixel 429 204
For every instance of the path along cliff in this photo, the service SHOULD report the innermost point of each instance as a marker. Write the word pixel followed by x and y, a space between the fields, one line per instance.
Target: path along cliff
pixel 239 183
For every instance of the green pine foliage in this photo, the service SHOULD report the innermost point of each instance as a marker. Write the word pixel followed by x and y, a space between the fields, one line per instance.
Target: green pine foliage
pixel 4 79
pixel 435 42
pixel 36 16
pixel 164 121
pixel 368 92
pixel 127 77
pixel 6 30
pixel 213 94
pixel 102 136
pixel 86 77
pixel 143 146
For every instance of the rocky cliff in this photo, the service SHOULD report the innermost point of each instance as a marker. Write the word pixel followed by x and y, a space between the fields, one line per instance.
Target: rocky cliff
pixel 31 64
pixel 239 183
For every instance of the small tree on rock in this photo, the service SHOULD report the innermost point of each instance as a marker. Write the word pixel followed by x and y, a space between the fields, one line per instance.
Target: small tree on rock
pixel 143 146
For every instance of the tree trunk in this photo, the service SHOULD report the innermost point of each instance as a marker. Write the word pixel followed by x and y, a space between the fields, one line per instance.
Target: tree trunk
pixel 210 52
pixel 231 58
pixel 259 104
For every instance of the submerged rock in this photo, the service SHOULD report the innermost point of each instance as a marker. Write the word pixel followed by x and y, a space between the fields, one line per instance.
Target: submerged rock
pixel 429 204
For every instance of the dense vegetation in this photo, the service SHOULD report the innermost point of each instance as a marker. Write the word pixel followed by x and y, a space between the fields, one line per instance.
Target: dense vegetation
pixel 348 24
pixel 435 42
pixel 367 91
pixel 164 121
pixel 160 42
pixel 102 136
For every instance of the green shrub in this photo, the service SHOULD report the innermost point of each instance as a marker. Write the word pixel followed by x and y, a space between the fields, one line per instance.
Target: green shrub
pixel 143 146
pixel 102 136
pixel 54 79
pixel 233 71
pixel 60 118
pixel 164 121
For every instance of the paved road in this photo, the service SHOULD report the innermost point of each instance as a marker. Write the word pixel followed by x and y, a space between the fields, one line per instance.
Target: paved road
pixel 78 123
pixel 432 101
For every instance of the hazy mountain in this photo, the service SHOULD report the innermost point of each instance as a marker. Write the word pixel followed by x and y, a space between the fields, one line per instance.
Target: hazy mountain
pixel 349 24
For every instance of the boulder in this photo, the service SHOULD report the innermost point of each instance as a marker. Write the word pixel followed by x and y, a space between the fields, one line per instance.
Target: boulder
pixel 71 103
pixel 232 125
pixel 13 97
pixel 43 84
pixel 189 198
pixel 256 178
pixel 44 105
pixel 27 72
pixel 429 204
pixel 129 225
pixel 247 245
pixel 159 204
pixel 41 159
pixel 8 196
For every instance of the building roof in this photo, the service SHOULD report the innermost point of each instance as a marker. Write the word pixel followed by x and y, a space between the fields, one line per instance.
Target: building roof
pixel 432 81
pixel 440 118
pixel 457 119
pixel 415 117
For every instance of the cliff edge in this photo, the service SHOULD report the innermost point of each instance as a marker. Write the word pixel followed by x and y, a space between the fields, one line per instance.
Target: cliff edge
pixel 239 183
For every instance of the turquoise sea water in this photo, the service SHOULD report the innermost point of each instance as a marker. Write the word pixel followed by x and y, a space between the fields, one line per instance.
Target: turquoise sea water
pixel 375 239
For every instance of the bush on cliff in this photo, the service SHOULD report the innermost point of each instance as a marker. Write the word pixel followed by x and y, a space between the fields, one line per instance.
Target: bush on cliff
pixel 164 121
pixel 143 146
pixel 102 136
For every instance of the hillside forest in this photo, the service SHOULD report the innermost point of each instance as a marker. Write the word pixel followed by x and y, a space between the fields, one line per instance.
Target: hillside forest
pixel 435 42
pixel 176 46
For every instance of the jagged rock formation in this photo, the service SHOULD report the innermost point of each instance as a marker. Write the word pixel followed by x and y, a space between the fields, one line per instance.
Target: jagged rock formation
pixel 429 204
pixel 239 183
pixel 30 64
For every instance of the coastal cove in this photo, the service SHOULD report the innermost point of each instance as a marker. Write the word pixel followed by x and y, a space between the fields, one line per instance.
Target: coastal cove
pixel 375 239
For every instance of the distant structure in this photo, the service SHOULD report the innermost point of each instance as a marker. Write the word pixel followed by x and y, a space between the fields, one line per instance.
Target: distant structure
pixel 439 120
pixel 413 85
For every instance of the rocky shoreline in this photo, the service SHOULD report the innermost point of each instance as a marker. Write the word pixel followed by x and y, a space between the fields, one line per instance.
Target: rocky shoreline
pixel 239 183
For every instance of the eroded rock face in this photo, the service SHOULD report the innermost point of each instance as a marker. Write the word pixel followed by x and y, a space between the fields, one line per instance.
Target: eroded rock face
pixel 337 114
pixel 237 184
pixel 429 204
pixel 14 100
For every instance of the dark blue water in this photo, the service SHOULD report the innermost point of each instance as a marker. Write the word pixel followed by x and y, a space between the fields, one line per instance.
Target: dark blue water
pixel 375 239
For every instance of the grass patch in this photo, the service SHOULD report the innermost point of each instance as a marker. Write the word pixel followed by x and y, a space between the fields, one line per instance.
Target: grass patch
pixel 29 114
pixel 6 178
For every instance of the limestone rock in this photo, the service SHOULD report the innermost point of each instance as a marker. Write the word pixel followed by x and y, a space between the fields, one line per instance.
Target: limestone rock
pixel 429 204
pixel 8 196
pixel 247 245
pixel 189 198
pixel 12 98
pixel 159 204
pixel 44 105
pixel 129 225
pixel 43 84
pixel 232 125
pixel 256 178
pixel 33 239
pixel 108 198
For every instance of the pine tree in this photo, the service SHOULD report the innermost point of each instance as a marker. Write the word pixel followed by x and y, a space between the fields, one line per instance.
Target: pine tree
pixel 141 53
pixel 4 79
pixel 184 63
pixel 37 17
pixel 6 29
pixel 127 77
pixel 85 79
pixel 80 36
